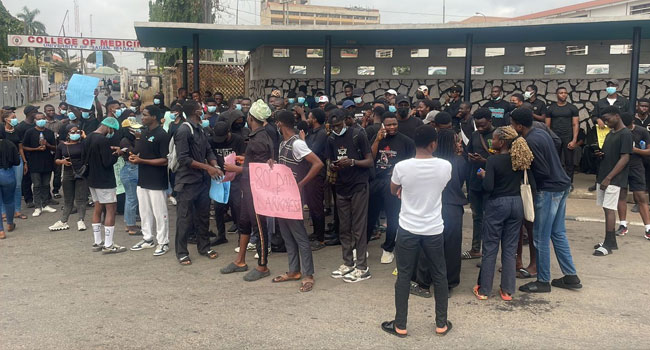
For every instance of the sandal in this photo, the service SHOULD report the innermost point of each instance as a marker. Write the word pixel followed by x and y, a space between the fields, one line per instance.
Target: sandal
pixel 211 254
pixel 389 327
pixel 20 216
pixel 134 233
pixel 442 334
pixel 286 277
pixel 11 227
pixel 185 260
pixel 505 296
pixel 523 273
pixel 478 295
pixel 307 286
pixel 468 255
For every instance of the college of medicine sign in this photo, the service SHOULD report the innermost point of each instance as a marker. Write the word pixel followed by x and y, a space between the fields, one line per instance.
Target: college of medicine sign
pixel 76 43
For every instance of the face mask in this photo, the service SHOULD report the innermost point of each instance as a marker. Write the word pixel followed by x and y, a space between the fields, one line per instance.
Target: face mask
pixel 497 98
pixel 358 100
pixel 392 109
pixel 403 112
pixel 172 116
pixel 611 90
pixel 85 115
pixel 123 109
pixel 513 105
pixel 205 123
pixel 63 112
pixel 118 113
pixel 41 123
pixel 212 109
pixel 134 109
pixel 202 115
pixel 13 121
pixel 237 126
pixel 72 116
pixel 528 94
pixel 292 100
pixel 156 101
pixel 238 107
pixel 108 136
pixel 246 124
pixel 301 100
pixel 342 131
pixel 75 137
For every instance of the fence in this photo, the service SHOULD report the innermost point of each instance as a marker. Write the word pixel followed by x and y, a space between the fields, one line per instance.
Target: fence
pixel 20 91
pixel 227 78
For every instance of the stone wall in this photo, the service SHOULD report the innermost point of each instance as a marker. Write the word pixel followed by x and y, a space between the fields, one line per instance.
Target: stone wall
pixel 583 92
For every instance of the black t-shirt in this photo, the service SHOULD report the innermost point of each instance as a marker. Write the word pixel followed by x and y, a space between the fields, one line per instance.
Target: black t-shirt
pixel 408 126
pixel 372 130
pixel 616 143
pixel 234 145
pixel 153 144
pixel 499 109
pixel 639 134
pixel 562 120
pixel 74 153
pixel 359 111
pixel 89 125
pixel 354 145
pixel 12 136
pixel 476 146
pixel 453 192
pixel 645 123
pixel 390 151
pixel 500 180
pixel 539 107
pixel 39 161
pixel 100 160
pixel 22 127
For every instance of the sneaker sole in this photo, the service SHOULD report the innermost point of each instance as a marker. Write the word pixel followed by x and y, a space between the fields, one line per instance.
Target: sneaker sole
pixel 140 248
pixel 116 251
pixel 160 253
pixel 356 280
pixel 59 229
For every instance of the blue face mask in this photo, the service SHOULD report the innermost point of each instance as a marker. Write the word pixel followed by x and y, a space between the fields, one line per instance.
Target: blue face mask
pixel 358 100
pixel 238 107
pixel 41 123
pixel 72 116
pixel 64 112
pixel 342 131
pixel 118 113
pixel 85 115
pixel 611 90
pixel 292 100
pixel 301 100
pixel 205 123
pixel 108 136
pixel 172 116
pixel 156 101
pixel 13 121
pixel 134 109
pixel 392 109
pixel 75 137
pixel 212 109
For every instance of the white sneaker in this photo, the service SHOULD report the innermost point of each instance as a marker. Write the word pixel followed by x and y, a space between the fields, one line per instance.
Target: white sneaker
pixel 81 226
pixel 37 212
pixel 341 271
pixel 257 256
pixel 387 257
pixel 354 254
pixel 251 247
pixel 161 249
pixel 236 249
pixel 58 226
pixel 357 276
pixel 172 200
pixel 49 209
pixel 143 245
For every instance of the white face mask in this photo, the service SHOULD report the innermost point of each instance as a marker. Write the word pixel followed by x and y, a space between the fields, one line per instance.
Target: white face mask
pixel 342 131
pixel 528 94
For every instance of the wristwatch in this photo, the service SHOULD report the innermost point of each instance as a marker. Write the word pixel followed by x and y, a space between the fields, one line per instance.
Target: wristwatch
pixel 352 162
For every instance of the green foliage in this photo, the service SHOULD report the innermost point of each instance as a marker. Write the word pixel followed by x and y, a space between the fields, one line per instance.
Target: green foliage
pixel 108 58
pixel 66 67
pixel 28 65
pixel 8 25
pixel 30 25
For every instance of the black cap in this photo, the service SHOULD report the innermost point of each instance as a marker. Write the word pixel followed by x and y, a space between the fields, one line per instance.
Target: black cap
pixel 221 130
pixel 358 92
pixel 9 108
pixel 30 109
pixel 402 98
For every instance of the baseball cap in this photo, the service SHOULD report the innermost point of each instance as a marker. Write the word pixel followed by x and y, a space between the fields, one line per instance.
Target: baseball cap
pixel 612 81
pixel 358 92
pixel 347 104
pixel 323 99
pixel 402 98
pixel 8 108
pixel 260 110
pixel 111 123
pixel 30 109
pixel 128 123
pixel 392 92
pixel 221 129
pixel 423 88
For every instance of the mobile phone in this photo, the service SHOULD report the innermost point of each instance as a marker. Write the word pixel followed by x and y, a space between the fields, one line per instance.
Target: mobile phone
pixel 124 149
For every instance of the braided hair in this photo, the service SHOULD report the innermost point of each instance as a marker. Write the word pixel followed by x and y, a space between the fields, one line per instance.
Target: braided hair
pixel 520 153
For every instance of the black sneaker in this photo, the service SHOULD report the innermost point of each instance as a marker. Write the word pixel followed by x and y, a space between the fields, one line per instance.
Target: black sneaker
pixel 332 242
pixel 232 229
pixel 52 202
pixel 191 239
pixel 622 230
pixel 419 291
pixel 218 241
pixel 29 204
pixel 592 188
pixel 567 282
pixel 316 245
pixel 536 287
pixel 56 195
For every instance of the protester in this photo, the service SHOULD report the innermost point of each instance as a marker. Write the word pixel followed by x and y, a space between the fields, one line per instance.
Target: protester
pixel 9 158
pixel 350 156
pixel 498 107
pixel 562 118
pixel 99 157
pixel 54 124
pixel 21 129
pixel 538 106
pixel 466 125
pixel 150 157
pixel 453 100
pixel 38 144
pixel 69 155
pixel 159 101
pixel 314 190
pixel 552 189
pixel 419 183
pixel 63 111
pixel 502 179
pixel 407 123
pixel 9 133
pixel 613 99
pixel 131 133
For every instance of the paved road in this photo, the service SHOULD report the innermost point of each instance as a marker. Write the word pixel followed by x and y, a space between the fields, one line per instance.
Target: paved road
pixel 57 294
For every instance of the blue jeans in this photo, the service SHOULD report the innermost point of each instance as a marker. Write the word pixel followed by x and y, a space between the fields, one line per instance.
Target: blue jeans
pixel 550 208
pixel 7 192
pixel 129 177
pixel 18 193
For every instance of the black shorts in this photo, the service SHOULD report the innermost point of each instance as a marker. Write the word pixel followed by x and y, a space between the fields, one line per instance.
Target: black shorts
pixel 636 178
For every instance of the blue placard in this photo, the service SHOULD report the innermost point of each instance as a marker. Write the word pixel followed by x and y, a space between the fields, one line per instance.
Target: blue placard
pixel 81 90
pixel 219 191
pixel 99 59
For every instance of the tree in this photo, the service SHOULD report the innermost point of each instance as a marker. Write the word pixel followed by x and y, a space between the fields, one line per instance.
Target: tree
pixel 8 25
pixel 30 25
pixel 28 65
pixel 66 67
pixel 108 58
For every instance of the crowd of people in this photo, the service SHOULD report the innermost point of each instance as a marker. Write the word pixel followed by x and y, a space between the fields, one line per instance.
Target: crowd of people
pixel 414 161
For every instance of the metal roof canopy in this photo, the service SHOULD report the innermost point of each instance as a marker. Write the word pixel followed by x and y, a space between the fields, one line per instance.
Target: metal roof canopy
pixel 230 37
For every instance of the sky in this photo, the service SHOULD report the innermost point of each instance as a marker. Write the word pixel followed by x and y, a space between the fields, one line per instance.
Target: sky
pixel 114 18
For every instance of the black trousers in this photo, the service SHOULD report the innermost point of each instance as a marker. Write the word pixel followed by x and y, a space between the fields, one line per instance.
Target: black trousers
pixel 192 216
pixel 56 181
pixel 406 250
pixel 234 202
pixel 381 198
pixel 314 198
pixel 567 158
pixel 477 203
pixel 248 219
pixel 26 187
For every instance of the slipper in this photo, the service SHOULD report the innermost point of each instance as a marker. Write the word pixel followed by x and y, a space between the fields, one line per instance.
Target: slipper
pixel 211 254
pixel 467 255
pixel 602 251
pixel 478 295
pixel 523 273
pixel 231 268
pixel 11 227
pixel 442 334
pixel 307 286
pixel 20 216
pixel 601 244
pixel 185 260
pixel 134 233
pixel 286 278
pixel 389 327
pixel 255 274
pixel 565 282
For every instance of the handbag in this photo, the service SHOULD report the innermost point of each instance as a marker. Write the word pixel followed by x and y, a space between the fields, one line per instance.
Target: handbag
pixel 78 173
pixel 527 199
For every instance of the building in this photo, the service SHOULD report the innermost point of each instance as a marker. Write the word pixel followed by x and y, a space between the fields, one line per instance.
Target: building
pixel 300 12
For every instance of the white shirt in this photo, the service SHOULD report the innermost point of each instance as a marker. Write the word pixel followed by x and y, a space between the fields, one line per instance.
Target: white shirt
pixel 611 101
pixel 300 149
pixel 422 181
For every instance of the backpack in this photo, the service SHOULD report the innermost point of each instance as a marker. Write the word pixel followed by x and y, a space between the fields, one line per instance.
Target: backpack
pixel 172 157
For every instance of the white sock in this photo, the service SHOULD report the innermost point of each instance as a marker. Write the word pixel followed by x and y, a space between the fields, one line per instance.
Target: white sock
pixel 647 227
pixel 97 233
pixel 108 235
pixel 624 223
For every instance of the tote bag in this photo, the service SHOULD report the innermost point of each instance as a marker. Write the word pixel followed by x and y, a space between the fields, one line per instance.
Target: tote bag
pixel 527 199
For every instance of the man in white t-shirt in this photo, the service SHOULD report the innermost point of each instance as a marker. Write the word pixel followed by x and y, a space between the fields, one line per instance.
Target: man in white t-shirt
pixel 419 183
pixel 304 165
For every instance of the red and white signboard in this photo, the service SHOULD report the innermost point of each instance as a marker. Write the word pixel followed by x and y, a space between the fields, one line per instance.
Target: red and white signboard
pixel 76 43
